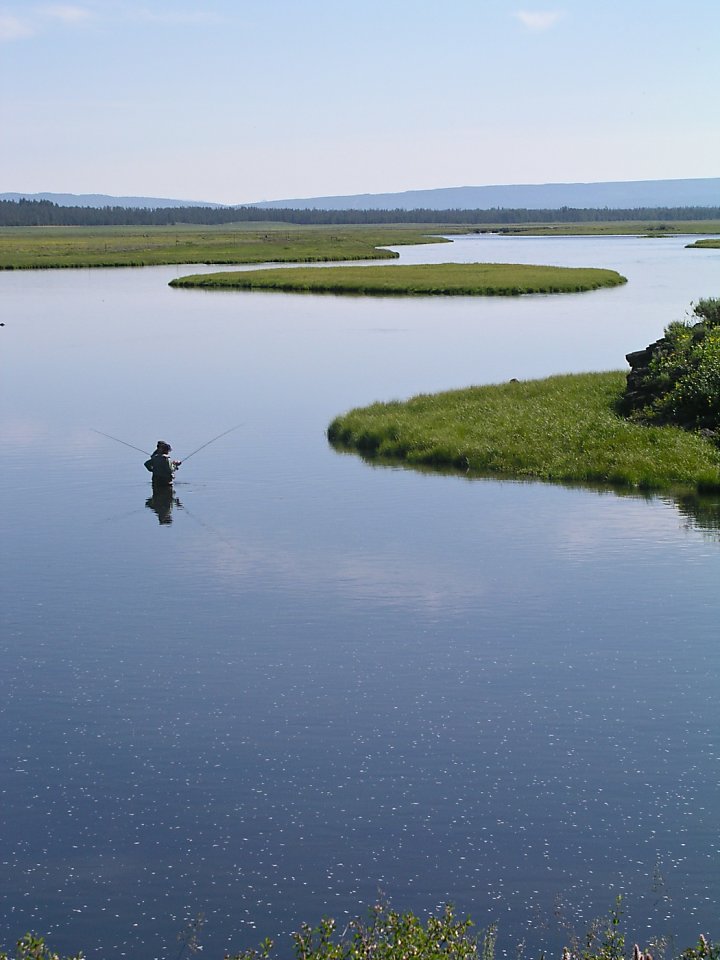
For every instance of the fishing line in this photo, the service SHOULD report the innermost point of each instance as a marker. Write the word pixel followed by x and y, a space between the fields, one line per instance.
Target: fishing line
pixel 213 531
pixel 133 447
pixel 117 440
pixel 207 444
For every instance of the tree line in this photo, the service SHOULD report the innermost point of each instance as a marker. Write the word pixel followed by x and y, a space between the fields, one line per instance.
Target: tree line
pixel 45 213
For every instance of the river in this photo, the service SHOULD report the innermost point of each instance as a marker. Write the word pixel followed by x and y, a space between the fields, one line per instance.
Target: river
pixel 303 679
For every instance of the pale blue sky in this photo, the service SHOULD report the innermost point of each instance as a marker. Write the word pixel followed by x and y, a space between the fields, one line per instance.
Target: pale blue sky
pixel 242 100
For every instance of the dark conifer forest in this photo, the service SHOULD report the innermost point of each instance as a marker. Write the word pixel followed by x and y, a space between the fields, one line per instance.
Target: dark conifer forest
pixel 44 213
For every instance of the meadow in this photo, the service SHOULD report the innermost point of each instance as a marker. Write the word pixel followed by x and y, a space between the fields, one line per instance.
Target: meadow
pixel 647 228
pixel 269 242
pixel 49 247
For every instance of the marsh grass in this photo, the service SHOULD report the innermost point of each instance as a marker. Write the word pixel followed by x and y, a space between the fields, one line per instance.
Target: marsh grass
pixel 444 279
pixel 46 247
pixel 563 429
pixel 261 242
pixel 712 244
pixel 647 228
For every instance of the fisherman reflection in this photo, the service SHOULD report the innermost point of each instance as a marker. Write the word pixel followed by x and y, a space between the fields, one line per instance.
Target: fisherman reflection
pixel 162 501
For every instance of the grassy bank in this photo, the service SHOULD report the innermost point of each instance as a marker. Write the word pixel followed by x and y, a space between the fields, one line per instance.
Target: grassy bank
pixel 254 242
pixel 646 228
pixel 462 279
pixel 564 429
pixel 257 242
pixel 45 247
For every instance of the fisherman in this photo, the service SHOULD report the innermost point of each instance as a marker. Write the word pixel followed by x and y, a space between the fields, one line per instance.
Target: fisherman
pixel 161 466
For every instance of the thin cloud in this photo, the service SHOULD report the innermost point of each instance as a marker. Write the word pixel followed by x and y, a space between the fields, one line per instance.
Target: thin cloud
pixel 37 19
pixel 66 13
pixel 538 20
pixel 13 28
pixel 178 16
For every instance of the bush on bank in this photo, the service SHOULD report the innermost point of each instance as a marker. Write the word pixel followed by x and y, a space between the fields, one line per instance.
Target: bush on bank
pixel 677 380
pixel 388 935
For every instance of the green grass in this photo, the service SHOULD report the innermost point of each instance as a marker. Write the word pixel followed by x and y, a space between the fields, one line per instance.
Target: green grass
pixel 713 244
pixel 562 429
pixel 45 247
pixel 649 228
pixel 248 243
pixel 466 279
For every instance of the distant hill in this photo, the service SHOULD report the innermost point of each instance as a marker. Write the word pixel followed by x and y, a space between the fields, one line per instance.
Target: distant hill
pixel 613 195
pixel 540 196
pixel 102 200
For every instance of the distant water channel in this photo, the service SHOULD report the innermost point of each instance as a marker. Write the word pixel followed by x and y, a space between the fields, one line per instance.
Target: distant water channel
pixel 323 679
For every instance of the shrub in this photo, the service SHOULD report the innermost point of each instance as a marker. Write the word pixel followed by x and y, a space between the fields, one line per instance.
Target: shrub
pixel 388 935
pixel 31 947
pixel 681 383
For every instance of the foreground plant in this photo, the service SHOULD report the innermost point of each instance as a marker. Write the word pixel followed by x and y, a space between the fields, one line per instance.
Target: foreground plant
pixel 388 935
pixel 605 940
pixel 31 947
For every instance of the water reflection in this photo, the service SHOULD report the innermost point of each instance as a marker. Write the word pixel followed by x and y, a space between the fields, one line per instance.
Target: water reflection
pixel 699 511
pixel 162 501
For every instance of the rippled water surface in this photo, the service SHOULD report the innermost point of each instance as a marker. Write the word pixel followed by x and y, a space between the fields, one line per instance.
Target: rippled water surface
pixel 303 679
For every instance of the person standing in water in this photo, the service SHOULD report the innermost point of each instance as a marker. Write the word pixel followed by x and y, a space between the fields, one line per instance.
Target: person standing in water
pixel 161 466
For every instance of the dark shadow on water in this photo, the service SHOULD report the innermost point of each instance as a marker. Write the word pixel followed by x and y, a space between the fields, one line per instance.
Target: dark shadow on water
pixel 699 511
pixel 162 502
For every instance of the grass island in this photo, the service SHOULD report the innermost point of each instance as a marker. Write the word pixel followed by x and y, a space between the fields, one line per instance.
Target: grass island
pixel 713 244
pixel 440 279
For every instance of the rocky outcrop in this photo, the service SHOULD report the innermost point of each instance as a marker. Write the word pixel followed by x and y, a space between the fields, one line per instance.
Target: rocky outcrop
pixel 676 380
pixel 639 391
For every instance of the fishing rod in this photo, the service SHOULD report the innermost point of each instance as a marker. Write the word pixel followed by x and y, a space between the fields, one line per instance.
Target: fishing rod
pixel 117 440
pixel 133 447
pixel 207 443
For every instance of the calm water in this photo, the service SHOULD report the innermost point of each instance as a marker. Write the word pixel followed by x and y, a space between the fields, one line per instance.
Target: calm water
pixel 323 679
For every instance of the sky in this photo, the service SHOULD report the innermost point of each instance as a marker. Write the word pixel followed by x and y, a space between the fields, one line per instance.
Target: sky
pixel 236 101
